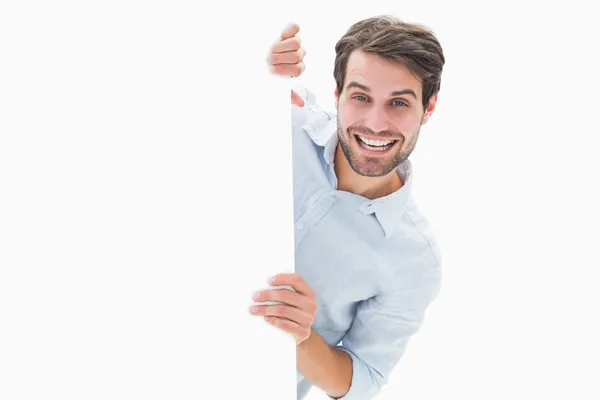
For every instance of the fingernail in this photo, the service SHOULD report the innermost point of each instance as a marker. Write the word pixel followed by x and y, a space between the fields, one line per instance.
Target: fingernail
pixel 253 309
pixel 272 280
pixel 272 68
pixel 256 296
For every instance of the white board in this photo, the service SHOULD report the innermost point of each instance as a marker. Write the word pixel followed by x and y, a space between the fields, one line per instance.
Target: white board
pixel 145 194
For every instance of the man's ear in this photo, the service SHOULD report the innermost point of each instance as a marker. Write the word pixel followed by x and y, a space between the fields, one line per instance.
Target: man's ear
pixel 337 97
pixel 430 108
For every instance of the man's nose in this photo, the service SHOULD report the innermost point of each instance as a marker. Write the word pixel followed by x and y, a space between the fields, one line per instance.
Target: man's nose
pixel 377 120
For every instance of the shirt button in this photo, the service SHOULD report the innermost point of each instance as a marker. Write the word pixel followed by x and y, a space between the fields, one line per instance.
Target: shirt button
pixel 300 226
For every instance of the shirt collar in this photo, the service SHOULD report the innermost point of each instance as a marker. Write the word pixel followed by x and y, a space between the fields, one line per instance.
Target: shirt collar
pixel 389 209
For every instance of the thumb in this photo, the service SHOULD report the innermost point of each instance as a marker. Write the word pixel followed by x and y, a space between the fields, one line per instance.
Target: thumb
pixel 297 100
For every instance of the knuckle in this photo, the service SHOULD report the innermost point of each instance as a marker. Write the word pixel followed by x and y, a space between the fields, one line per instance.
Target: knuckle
pixel 270 295
pixel 298 69
pixel 282 296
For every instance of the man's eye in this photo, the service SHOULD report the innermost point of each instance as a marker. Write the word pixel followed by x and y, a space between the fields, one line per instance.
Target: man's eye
pixel 360 98
pixel 400 103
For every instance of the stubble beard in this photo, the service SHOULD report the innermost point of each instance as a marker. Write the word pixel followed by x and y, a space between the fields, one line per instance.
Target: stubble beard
pixel 372 166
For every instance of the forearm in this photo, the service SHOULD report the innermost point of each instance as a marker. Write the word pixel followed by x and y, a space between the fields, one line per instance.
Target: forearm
pixel 325 367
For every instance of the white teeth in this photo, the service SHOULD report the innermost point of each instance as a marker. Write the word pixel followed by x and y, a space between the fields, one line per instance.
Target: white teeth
pixel 373 148
pixel 375 142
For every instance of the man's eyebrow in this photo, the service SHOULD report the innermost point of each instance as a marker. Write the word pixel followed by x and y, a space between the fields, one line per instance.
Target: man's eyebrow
pixel 403 92
pixel 358 86
pixel 396 93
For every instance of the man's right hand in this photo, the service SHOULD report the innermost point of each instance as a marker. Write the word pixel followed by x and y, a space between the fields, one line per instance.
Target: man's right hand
pixel 286 58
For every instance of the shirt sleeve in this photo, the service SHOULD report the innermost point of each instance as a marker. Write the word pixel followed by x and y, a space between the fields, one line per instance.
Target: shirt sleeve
pixel 382 327
pixel 313 109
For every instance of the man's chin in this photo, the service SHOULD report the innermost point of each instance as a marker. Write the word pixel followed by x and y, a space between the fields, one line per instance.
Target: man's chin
pixel 370 169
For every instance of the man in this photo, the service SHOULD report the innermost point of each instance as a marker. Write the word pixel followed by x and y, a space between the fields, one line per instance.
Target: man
pixel 367 263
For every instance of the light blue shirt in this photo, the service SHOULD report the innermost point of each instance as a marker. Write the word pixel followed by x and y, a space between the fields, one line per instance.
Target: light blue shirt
pixel 374 264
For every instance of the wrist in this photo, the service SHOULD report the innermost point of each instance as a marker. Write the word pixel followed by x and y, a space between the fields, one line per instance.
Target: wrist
pixel 303 346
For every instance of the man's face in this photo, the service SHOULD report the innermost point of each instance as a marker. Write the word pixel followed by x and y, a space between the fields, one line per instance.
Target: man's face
pixel 380 113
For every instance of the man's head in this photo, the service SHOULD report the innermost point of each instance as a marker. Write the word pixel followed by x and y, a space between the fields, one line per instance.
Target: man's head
pixel 387 75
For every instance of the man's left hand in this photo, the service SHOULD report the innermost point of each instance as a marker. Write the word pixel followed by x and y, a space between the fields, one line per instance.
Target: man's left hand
pixel 296 313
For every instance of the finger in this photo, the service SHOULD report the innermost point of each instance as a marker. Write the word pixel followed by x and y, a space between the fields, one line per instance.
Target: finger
pixel 289 57
pixel 295 281
pixel 289 31
pixel 293 70
pixel 282 311
pixel 287 297
pixel 297 99
pixel 291 44
pixel 288 326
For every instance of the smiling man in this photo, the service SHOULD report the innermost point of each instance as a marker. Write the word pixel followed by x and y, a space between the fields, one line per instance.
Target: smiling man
pixel 367 262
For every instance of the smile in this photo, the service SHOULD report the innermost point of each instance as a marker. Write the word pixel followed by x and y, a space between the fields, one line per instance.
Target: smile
pixel 373 145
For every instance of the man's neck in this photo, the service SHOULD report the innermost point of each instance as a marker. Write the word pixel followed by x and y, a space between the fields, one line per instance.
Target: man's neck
pixel 371 188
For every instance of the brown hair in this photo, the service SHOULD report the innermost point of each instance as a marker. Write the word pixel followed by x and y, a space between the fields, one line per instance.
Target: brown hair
pixel 411 44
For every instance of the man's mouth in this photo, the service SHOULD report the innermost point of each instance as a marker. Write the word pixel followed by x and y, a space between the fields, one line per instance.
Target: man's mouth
pixel 374 145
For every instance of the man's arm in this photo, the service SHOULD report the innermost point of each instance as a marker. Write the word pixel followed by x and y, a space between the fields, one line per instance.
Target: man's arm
pixel 376 340
pixel 326 367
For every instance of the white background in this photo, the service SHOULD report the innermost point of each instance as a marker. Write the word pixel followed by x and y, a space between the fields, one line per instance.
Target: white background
pixel 140 157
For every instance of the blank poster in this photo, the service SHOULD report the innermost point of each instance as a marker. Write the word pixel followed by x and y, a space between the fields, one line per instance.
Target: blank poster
pixel 145 194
